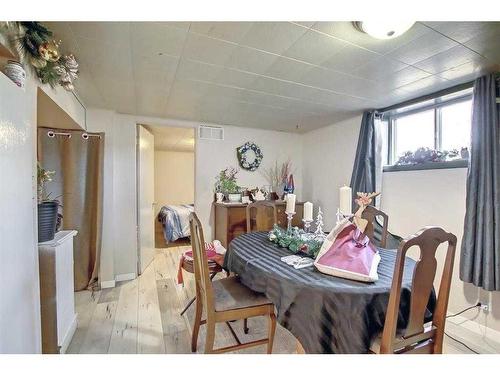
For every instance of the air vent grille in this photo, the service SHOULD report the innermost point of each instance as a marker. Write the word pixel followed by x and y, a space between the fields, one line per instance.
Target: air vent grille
pixel 214 133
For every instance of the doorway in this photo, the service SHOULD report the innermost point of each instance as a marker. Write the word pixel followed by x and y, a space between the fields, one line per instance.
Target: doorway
pixel 165 188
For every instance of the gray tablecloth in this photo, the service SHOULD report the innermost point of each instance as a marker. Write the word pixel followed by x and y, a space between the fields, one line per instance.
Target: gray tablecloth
pixel 326 314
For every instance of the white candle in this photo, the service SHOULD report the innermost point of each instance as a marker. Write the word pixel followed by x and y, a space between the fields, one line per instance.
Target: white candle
pixel 308 211
pixel 290 203
pixel 345 198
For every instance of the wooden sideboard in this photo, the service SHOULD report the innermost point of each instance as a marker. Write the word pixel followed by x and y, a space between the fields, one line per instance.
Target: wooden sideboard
pixel 230 219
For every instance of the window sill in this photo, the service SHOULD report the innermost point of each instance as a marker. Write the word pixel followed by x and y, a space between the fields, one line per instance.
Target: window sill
pixel 460 163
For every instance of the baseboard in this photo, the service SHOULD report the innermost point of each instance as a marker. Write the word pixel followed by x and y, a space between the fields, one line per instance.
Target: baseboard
pixel 69 335
pixel 481 338
pixel 125 277
pixel 108 284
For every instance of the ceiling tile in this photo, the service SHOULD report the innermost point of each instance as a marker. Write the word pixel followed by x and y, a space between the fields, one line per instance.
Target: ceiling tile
pixel 448 59
pixel 426 85
pixel 287 69
pixel 251 60
pixel 379 69
pixel 347 32
pixel 350 58
pixel 215 51
pixel 314 48
pixel 403 77
pixel 273 37
pixel 486 44
pixel 463 31
pixel 235 78
pixel 196 70
pixel 151 101
pixel 150 39
pixel 104 32
pixel 118 93
pixel 469 71
pixel 429 44
pixel 230 31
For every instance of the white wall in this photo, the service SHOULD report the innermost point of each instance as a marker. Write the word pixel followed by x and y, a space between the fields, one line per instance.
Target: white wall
pixel 20 328
pixel 412 199
pixel 328 158
pixel 213 156
pixel 174 178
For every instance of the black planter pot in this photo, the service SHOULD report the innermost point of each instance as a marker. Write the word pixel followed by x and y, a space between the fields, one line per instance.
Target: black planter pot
pixel 47 219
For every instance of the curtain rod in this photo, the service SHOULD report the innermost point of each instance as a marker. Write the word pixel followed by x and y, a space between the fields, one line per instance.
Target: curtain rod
pixel 434 95
pixel 52 134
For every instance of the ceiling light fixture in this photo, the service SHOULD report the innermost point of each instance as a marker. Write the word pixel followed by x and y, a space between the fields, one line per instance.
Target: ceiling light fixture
pixel 383 29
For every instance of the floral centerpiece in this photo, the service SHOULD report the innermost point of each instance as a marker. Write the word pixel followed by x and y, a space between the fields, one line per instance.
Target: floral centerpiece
pixel 226 183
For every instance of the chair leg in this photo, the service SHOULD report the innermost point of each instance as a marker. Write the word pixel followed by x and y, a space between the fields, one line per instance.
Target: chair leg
pixel 197 323
pixel 245 325
pixel 209 341
pixel 272 329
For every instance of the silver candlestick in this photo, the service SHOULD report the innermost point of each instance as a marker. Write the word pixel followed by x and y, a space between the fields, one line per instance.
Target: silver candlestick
pixel 307 225
pixel 289 217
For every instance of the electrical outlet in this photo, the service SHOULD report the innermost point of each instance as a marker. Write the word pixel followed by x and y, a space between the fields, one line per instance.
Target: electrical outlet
pixel 484 307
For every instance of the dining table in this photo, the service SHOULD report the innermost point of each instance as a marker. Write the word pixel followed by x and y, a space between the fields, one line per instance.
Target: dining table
pixel 326 314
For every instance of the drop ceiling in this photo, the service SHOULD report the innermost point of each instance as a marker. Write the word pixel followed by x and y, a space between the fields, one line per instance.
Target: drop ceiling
pixel 290 76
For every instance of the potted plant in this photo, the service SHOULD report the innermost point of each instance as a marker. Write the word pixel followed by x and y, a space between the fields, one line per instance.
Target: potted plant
pixel 226 183
pixel 47 208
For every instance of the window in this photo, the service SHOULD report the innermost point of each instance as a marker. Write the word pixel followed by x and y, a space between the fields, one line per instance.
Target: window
pixel 441 124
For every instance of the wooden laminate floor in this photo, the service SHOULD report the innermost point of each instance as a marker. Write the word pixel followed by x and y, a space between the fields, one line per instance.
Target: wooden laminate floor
pixel 143 316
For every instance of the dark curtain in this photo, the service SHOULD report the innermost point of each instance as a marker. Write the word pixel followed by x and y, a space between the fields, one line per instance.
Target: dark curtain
pixel 365 166
pixel 480 252
pixel 367 170
pixel 78 185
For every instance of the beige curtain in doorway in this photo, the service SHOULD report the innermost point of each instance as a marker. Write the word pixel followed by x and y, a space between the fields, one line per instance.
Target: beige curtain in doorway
pixel 78 185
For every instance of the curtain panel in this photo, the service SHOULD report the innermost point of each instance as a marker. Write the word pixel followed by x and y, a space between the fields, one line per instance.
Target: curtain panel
pixel 480 251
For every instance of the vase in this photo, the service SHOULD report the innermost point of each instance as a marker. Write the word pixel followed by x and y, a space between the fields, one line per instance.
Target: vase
pixel 47 220
pixel 219 197
pixel 16 73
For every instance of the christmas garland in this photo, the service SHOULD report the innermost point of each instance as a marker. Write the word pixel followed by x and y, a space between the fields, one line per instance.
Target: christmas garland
pixel 242 156
pixel 34 44
pixel 297 240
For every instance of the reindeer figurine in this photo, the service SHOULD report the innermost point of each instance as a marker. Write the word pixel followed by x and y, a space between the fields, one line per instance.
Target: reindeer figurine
pixel 363 200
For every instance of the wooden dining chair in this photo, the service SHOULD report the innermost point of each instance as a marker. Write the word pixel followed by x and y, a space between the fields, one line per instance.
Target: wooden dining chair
pixel 371 214
pixel 224 300
pixel 419 338
pixel 255 212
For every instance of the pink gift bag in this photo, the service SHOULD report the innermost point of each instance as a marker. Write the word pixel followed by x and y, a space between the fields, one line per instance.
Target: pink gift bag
pixel 348 253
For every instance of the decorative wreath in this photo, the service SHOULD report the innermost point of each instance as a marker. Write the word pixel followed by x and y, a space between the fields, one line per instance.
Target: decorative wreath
pixel 250 156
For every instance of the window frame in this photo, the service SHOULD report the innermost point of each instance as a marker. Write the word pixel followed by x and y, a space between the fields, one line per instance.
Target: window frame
pixel 438 104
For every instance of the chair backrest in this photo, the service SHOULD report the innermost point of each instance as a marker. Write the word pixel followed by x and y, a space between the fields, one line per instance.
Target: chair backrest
pixel 371 214
pixel 259 207
pixel 201 271
pixel 417 338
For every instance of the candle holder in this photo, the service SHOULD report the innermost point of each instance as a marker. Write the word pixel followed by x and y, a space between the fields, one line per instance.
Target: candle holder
pixel 289 217
pixel 307 225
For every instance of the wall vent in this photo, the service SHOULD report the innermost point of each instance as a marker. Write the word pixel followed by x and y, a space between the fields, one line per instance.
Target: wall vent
pixel 214 133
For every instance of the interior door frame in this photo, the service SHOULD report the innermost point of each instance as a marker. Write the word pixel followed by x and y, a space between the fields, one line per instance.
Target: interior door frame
pixel 194 127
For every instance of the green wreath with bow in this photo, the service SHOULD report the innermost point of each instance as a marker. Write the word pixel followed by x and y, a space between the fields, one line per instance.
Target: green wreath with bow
pixel 249 156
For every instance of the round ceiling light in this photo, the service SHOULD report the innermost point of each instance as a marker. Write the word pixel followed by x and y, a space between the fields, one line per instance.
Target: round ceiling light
pixel 383 29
